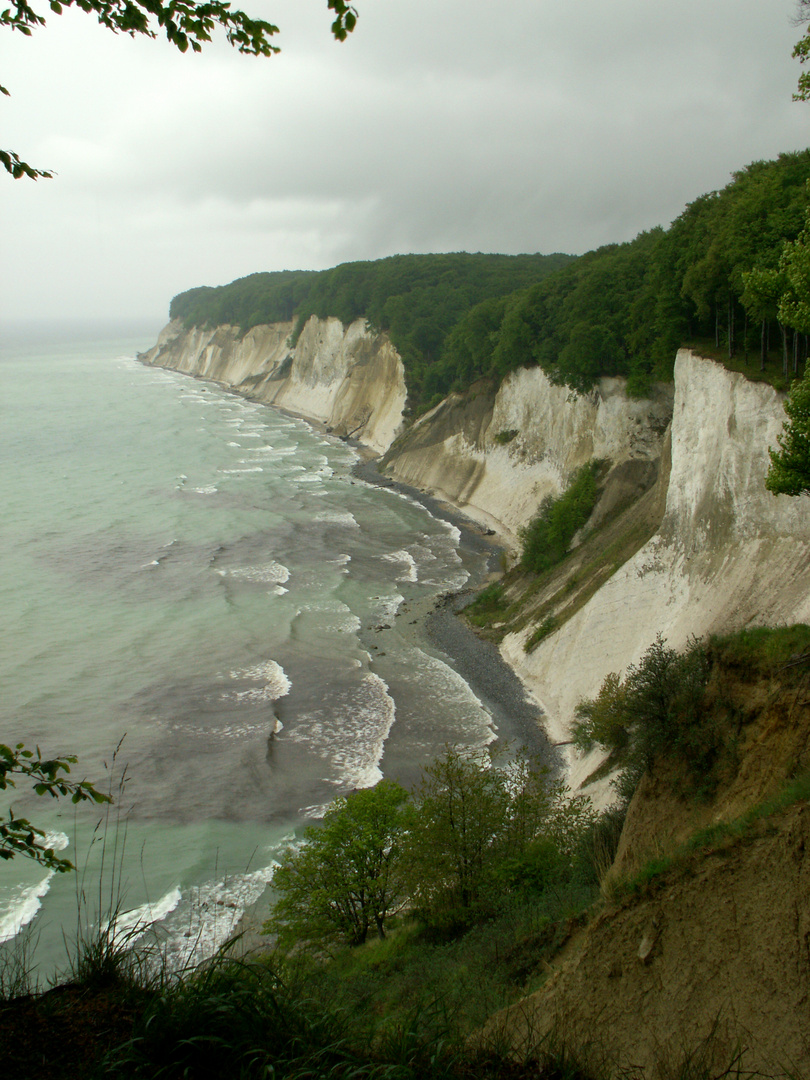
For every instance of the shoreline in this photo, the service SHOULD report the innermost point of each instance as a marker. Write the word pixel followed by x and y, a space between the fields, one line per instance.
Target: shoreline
pixel 516 717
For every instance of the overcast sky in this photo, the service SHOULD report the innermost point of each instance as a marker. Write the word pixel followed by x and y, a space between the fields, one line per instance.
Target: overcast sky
pixel 439 125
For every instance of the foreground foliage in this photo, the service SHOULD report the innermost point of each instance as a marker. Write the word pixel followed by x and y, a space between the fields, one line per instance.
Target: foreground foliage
pixel 405 1006
pixel 476 830
pixel 48 776
pixel 184 23
pixel 345 879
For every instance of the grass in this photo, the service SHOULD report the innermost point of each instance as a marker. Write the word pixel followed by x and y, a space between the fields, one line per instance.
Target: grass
pixel 490 605
pixel 796 789
pixel 765 649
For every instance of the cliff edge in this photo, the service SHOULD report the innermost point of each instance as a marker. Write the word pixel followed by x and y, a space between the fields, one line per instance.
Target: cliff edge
pixel 709 549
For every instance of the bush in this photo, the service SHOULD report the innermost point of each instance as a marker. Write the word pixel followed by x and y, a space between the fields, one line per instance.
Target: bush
pixel 489 605
pixel 547 537
pixel 504 437
pixel 480 830
pixel 656 707
pixel 345 880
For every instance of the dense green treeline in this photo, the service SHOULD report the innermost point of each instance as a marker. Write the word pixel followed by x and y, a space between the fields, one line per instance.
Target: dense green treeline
pixel 417 299
pixel 624 309
pixel 713 277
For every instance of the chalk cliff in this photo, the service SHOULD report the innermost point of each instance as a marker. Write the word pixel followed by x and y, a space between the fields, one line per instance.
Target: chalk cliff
pixel 711 958
pixel 722 552
pixel 727 554
pixel 497 456
pixel 348 378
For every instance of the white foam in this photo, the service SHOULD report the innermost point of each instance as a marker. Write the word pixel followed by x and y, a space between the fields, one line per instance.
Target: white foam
pixel 272 573
pixel 271 674
pixel 338 517
pixel 226 732
pixel 211 914
pixel 333 615
pixel 22 902
pixel 451 694
pixel 387 606
pixel 274 451
pixel 311 477
pixel 131 925
pixel 350 734
pixel 206 489
pixel 410 572
pixel 249 469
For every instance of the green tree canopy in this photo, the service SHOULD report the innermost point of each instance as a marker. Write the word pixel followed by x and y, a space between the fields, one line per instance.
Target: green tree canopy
pixel 483 829
pixel 789 473
pixel 656 708
pixel 345 878
pixel 184 23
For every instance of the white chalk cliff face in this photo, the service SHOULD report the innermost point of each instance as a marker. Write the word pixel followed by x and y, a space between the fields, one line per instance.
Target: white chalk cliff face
pixel 455 452
pixel 348 378
pixel 727 554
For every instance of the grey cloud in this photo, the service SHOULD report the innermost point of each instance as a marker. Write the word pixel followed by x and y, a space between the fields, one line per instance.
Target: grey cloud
pixel 536 125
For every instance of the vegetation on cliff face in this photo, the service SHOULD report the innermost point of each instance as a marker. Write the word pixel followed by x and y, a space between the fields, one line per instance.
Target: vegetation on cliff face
pixel 547 537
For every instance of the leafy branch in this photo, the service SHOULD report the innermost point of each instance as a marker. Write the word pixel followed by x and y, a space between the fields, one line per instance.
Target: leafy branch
pixel 49 776
pixel 184 23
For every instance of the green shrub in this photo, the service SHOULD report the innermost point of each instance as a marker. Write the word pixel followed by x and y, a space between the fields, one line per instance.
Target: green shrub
pixel 504 437
pixel 762 648
pixel 657 706
pixel 489 605
pixel 546 627
pixel 547 537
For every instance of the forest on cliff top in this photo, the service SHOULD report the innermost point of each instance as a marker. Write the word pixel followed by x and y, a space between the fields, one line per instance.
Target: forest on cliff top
pixel 713 277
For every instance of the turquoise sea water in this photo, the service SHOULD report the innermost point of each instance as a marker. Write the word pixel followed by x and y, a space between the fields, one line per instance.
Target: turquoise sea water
pixel 204 578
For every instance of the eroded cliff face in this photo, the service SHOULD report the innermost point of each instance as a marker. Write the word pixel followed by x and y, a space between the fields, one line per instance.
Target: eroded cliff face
pixel 727 554
pixel 709 964
pixel 497 456
pixel 348 378
pixel 699 947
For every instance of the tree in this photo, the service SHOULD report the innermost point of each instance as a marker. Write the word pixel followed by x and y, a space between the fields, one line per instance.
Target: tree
pixel 656 708
pixel 345 878
pixel 801 51
pixel 461 817
pixel 49 777
pixel 789 473
pixel 483 830
pixel 184 23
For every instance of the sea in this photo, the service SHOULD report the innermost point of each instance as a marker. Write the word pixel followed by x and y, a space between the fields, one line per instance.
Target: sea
pixel 204 602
